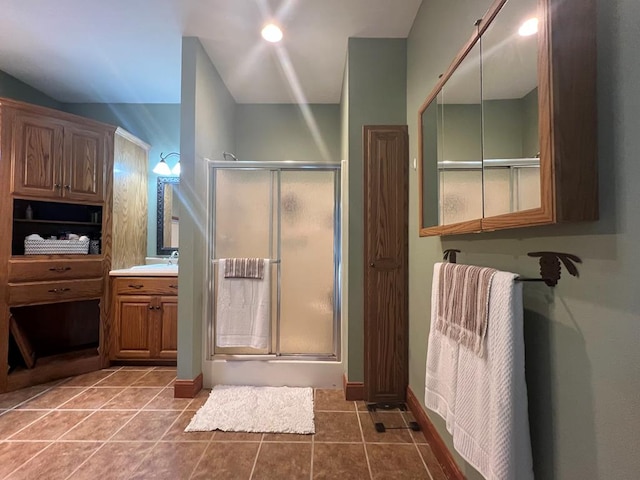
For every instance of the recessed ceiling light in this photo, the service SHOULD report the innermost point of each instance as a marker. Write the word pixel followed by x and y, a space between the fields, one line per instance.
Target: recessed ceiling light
pixel 529 27
pixel 272 33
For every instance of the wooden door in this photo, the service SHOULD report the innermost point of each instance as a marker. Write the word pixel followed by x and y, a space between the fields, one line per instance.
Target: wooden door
pixel 167 331
pixel 37 155
pixel 84 153
pixel 386 170
pixel 134 334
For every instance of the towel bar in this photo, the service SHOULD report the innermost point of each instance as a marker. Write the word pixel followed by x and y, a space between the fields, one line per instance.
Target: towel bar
pixel 216 260
pixel 549 265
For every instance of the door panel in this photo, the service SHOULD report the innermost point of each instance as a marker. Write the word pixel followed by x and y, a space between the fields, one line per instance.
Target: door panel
pixel 134 335
pixel 386 259
pixel 84 154
pixel 37 146
pixel 167 336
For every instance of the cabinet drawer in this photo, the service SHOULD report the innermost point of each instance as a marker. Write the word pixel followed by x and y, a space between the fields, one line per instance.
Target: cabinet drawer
pixel 51 292
pixel 63 269
pixel 146 286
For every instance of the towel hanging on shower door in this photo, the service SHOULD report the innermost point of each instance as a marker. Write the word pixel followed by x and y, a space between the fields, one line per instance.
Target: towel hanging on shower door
pixel 243 309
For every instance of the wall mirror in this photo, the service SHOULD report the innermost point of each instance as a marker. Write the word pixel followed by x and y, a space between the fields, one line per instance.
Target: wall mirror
pixel 168 208
pixel 490 130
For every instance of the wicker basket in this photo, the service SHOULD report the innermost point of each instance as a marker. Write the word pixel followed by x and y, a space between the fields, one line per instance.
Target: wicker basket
pixel 56 247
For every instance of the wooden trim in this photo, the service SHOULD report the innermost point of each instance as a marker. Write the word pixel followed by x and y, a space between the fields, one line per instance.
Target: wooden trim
pixel 470 226
pixel 438 447
pixel 353 391
pixel 187 388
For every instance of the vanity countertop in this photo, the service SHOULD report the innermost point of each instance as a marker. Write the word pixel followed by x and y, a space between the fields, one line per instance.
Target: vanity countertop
pixel 157 270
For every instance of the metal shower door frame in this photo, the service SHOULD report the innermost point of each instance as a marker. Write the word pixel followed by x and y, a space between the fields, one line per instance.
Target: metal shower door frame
pixel 275 168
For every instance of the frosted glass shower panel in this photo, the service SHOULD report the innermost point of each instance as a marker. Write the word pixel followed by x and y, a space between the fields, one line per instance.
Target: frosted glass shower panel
pixel 307 205
pixel 460 195
pixel 243 213
pixel 528 196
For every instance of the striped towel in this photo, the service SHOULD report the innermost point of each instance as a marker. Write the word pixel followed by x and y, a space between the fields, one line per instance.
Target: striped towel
pixel 244 268
pixel 463 304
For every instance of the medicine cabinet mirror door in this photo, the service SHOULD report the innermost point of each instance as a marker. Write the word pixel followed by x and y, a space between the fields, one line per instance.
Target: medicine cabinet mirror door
pixel 511 148
pixel 451 150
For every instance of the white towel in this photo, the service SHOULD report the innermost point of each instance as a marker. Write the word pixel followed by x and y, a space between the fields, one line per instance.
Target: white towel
pixel 243 310
pixel 484 400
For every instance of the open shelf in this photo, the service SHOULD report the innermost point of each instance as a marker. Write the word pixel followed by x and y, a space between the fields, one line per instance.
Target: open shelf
pixel 53 220
pixel 56 222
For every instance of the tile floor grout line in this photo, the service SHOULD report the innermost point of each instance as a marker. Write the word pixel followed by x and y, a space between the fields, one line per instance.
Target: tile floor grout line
pixel 116 432
pixel 195 468
pixel 255 460
pixel 364 446
pixel 415 444
pixel 52 442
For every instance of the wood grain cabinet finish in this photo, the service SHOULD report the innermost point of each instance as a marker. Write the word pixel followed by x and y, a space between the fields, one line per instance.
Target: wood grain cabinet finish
pixel 56 159
pixel 145 327
pixel 37 145
pixel 52 157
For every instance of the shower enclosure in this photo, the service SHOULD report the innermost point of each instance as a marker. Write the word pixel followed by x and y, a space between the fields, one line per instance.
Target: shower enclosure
pixel 287 212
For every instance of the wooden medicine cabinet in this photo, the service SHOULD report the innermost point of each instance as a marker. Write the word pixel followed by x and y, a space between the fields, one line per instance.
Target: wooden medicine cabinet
pixel 507 138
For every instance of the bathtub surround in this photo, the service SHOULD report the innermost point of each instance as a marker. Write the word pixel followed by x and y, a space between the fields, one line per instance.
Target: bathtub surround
pixel 232 408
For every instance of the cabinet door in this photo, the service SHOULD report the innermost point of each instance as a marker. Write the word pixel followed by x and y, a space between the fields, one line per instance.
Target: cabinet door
pixel 83 176
pixel 133 332
pixel 37 153
pixel 167 333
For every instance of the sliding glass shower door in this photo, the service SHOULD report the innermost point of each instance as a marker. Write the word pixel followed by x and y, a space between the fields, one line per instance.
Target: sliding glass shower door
pixel 290 216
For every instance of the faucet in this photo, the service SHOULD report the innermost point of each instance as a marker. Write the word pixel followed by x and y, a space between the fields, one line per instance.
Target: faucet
pixel 174 256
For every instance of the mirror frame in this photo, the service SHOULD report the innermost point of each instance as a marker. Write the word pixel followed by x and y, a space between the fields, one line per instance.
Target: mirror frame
pixel 162 182
pixel 567 123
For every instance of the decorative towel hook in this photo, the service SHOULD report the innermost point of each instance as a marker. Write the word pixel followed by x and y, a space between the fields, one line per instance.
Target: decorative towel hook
pixel 450 255
pixel 549 265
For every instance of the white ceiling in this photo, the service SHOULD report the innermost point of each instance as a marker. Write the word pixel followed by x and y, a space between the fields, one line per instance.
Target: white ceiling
pixel 130 50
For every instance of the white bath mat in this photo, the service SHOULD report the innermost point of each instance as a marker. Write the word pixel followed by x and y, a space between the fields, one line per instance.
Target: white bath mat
pixel 256 409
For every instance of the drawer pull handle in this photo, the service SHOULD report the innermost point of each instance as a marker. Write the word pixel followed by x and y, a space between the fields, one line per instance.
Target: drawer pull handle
pixel 60 269
pixel 173 286
pixel 59 290
pixel 137 286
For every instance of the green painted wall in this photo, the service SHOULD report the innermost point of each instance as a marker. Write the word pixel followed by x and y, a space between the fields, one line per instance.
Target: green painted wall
pixel 530 141
pixel 377 96
pixel 207 119
pixel 288 132
pixel 583 360
pixel 11 87
pixel 157 124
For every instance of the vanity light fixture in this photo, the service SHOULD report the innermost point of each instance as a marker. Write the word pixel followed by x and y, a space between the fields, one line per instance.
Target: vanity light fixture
pixel 272 33
pixel 163 169
pixel 529 27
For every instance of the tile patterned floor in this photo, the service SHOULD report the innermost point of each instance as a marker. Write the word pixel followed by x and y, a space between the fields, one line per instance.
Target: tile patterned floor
pixel 123 423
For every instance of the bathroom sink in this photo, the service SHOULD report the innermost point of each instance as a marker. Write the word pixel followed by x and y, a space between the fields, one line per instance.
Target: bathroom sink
pixel 158 267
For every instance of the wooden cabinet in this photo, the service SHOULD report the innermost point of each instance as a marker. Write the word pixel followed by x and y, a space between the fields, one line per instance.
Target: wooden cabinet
pixel 55 159
pixel 145 319
pixel 520 149
pixel 53 307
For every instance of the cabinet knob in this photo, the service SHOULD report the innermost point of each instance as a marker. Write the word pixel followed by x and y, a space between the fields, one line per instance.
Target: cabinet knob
pixel 173 286
pixel 67 187
pixel 57 185
pixel 150 307
pixel 137 286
